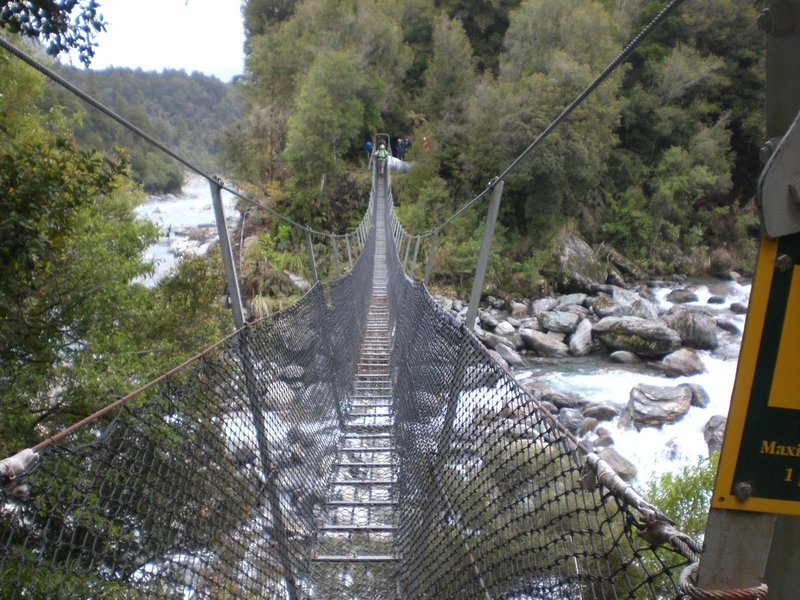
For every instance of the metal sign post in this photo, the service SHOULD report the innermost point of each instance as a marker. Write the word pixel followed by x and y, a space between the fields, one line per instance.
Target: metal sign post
pixel 754 522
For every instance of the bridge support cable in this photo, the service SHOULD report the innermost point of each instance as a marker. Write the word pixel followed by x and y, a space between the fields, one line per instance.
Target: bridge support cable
pixel 354 552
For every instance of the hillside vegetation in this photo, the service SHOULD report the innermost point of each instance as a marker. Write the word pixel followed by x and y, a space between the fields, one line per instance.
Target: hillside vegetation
pixel 76 329
pixel 186 113
pixel 659 163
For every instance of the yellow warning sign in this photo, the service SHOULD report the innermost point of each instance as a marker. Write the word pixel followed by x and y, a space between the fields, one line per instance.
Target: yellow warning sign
pixel 760 464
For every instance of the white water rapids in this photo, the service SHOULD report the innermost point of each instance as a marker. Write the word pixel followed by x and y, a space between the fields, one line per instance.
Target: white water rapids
pixel 186 223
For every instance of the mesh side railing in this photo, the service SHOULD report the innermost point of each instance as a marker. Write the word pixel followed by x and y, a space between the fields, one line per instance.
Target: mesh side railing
pixel 495 499
pixel 206 485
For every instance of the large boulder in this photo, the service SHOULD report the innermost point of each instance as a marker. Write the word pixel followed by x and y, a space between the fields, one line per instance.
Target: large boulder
pixel 543 344
pixel 510 355
pixel 580 342
pixel 559 321
pixel 575 268
pixel 682 362
pixel 714 432
pixel 697 327
pixel 641 336
pixel 653 405
pixel 621 303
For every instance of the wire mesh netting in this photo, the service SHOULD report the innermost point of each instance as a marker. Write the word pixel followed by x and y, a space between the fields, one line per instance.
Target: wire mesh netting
pixel 298 460
pixel 494 500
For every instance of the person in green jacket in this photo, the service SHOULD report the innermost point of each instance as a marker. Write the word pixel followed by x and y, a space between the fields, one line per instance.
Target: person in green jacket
pixel 381 153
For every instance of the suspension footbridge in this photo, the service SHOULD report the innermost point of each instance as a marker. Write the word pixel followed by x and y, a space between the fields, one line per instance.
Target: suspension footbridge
pixel 361 444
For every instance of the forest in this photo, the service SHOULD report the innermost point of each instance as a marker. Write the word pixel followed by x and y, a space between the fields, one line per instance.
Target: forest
pixel 76 328
pixel 187 113
pixel 659 163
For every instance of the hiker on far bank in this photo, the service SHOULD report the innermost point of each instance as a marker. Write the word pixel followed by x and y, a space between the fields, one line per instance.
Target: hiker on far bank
pixel 381 155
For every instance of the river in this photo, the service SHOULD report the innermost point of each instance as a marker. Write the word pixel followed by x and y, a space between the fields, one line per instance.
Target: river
pixel 187 227
pixel 656 451
pixel 186 222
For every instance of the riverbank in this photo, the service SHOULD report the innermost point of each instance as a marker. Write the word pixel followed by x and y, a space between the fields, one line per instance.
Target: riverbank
pixel 632 407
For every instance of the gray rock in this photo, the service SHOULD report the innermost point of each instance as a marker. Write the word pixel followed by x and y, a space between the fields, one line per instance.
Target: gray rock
pixel 564 400
pixel 560 321
pixel 488 320
pixel 738 308
pixel 504 328
pixel 641 336
pixel 278 396
pixel 530 323
pixel 624 357
pixel 543 305
pixel 728 326
pixel 581 342
pixel 549 407
pixel 700 397
pixel 543 344
pixel 515 340
pixel 518 309
pixel 714 432
pixel 681 296
pixel 291 372
pixel 603 306
pixel 498 359
pixel 716 300
pixel 601 412
pixel 682 362
pixel 603 441
pixel 569 299
pixel 575 267
pixel 571 418
pixel 510 355
pixel 492 340
pixel 696 327
pixel 621 465
pixel 652 406
pixel 623 303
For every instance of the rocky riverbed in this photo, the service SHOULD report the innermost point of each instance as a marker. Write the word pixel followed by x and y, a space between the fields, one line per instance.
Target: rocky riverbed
pixel 641 375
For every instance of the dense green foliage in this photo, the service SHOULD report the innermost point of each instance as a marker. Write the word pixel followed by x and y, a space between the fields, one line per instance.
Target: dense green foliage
pixel 685 496
pixel 76 331
pixel 659 162
pixel 187 113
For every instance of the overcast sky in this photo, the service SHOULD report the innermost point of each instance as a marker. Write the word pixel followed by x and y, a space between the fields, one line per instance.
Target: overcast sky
pixel 194 35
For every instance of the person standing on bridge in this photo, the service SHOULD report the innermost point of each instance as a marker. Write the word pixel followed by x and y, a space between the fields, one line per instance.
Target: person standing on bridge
pixel 381 155
pixel 368 150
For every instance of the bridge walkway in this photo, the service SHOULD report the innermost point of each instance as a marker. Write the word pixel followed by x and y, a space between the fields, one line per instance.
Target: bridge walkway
pixel 356 534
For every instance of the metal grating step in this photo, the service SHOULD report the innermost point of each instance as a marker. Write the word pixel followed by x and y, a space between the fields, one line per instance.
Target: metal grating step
pixel 356 558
